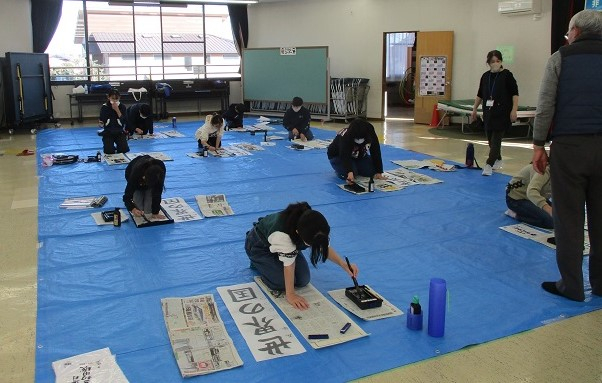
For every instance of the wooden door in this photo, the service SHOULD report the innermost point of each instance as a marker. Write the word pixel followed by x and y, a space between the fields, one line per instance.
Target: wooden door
pixel 434 55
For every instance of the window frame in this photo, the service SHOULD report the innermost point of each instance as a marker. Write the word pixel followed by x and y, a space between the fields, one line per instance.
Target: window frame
pixel 200 61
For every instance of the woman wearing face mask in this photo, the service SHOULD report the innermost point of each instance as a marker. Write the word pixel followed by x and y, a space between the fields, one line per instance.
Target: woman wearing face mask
pixel 355 151
pixel 113 120
pixel 140 119
pixel 498 92
pixel 296 120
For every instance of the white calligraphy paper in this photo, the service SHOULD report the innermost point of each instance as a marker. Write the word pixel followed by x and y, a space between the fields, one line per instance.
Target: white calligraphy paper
pixel 264 330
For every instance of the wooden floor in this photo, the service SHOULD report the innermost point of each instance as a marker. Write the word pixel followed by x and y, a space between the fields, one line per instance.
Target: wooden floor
pixel 566 351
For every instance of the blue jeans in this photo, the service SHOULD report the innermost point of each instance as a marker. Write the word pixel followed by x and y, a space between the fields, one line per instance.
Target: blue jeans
pixel 361 166
pixel 527 212
pixel 269 266
pixel 308 134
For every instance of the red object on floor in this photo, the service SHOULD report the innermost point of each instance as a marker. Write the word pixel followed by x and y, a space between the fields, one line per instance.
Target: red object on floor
pixel 435 118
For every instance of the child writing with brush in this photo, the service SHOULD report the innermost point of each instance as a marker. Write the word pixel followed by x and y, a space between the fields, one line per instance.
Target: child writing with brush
pixel 275 243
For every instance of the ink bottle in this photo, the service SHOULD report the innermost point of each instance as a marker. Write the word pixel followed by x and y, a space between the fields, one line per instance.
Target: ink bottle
pixel 205 151
pixel 371 185
pixel 117 217
pixel 98 156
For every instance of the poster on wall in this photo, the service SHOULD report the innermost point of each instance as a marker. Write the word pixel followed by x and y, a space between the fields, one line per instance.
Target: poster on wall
pixel 432 75
pixel 593 4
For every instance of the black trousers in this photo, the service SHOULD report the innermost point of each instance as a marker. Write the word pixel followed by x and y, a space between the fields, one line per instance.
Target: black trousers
pixel 114 143
pixel 575 169
pixel 494 138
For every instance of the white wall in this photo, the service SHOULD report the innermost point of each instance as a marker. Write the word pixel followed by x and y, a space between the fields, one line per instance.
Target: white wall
pixel 353 30
pixel 15 26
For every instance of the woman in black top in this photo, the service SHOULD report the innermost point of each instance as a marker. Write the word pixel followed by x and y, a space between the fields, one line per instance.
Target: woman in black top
pixel 498 92
pixel 145 178
pixel 355 151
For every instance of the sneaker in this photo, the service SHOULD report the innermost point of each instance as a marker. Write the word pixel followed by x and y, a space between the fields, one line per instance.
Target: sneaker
pixel 510 213
pixel 497 165
pixel 487 170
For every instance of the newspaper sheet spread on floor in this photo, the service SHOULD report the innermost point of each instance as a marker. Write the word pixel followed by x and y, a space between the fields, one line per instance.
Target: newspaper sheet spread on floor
pixel 214 205
pixel 97 366
pixel 198 336
pixel 266 333
pixel 179 210
pixel 387 310
pixel 322 318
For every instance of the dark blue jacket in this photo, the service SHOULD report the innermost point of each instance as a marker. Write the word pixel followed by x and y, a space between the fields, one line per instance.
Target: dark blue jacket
pixel 579 96
pixel 111 123
pixel 299 120
pixel 135 121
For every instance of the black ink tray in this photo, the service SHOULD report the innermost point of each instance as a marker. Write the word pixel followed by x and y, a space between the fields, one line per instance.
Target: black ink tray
pixel 363 297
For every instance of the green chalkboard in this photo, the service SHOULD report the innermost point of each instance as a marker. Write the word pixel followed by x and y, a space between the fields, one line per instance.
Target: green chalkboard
pixel 268 75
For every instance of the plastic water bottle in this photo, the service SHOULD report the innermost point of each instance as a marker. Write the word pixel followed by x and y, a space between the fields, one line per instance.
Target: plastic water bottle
pixel 86 88
pixel 173 123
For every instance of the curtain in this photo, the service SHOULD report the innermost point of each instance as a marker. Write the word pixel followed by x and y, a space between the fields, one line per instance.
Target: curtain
pixel 398 47
pixel 240 25
pixel 562 11
pixel 45 17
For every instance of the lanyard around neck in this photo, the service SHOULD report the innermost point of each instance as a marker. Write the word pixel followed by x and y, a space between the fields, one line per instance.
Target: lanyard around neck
pixel 491 88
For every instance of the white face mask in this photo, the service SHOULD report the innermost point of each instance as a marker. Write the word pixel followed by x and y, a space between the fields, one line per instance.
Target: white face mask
pixel 296 108
pixel 359 141
pixel 495 67
pixel 115 102
pixel 143 117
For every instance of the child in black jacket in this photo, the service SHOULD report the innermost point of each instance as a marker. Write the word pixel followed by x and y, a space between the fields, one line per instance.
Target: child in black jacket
pixel 234 116
pixel 355 151
pixel 113 120
pixel 145 178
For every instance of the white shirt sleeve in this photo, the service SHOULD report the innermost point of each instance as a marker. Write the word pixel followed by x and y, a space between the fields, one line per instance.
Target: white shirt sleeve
pixel 281 244
pixel 200 132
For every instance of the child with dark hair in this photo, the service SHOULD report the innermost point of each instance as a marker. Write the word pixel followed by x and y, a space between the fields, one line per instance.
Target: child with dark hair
pixel 113 120
pixel 355 151
pixel 234 116
pixel 296 120
pixel 210 134
pixel 274 246
pixel 145 178
pixel 140 119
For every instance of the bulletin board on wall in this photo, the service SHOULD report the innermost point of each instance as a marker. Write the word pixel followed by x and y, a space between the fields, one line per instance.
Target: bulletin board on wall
pixel 279 74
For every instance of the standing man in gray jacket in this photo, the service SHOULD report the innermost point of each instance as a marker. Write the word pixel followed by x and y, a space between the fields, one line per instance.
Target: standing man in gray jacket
pixel 569 113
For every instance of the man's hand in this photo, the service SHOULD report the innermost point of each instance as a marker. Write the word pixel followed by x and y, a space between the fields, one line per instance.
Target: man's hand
pixel 158 216
pixel 139 131
pixel 295 132
pixel 540 159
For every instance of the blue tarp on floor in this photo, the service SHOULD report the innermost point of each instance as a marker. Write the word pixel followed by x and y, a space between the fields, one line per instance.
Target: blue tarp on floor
pixel 100 286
